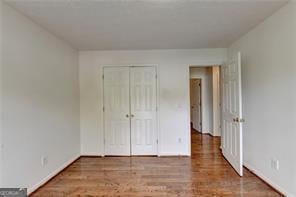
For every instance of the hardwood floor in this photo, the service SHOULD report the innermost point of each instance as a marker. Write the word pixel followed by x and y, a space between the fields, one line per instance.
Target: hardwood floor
pixel 206 173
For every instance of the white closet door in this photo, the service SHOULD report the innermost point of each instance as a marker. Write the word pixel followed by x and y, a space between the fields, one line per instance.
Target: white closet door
pixel 143 110
pixel 116 111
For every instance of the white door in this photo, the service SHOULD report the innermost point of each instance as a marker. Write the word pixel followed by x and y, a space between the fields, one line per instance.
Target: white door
pixel 232 113
pixel 196 104
pixel 143 111
pixel 116 111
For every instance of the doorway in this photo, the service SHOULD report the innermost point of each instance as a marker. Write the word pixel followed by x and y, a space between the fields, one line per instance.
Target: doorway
pixel 205 100
pixel 227 121
pixel 130 110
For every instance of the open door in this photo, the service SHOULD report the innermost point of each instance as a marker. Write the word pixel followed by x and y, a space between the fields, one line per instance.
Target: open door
pixel 195 102
pixel 232 113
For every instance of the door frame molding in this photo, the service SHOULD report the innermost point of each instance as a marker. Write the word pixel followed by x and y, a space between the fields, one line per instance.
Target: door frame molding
pixel 101 79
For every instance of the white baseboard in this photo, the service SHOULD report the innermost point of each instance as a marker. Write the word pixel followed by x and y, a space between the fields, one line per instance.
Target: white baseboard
pixel 173 155
pixel 91 155
pixel 267 180
pixel 51 175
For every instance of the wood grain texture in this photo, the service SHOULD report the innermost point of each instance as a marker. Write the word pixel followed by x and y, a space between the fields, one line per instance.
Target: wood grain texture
pixel 206 173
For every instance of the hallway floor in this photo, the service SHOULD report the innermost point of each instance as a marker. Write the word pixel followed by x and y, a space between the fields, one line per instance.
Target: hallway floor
pixel 206 173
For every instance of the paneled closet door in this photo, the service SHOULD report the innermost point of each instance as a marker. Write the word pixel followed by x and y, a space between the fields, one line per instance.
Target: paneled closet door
pixel 143 110
pixel 117 111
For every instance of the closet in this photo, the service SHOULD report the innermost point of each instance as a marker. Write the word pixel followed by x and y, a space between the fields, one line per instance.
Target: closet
pixel 130 126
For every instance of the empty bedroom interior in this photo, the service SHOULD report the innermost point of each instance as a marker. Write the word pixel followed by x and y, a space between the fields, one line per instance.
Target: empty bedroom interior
pixel 148 98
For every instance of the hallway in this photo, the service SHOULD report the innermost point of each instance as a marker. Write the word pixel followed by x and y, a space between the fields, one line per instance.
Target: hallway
pixel 205 174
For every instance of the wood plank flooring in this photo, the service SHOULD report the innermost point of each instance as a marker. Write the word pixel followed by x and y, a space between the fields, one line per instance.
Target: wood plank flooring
pixel 206 174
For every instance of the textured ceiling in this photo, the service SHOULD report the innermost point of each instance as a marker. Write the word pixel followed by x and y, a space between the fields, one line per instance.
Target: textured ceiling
pixel 147 24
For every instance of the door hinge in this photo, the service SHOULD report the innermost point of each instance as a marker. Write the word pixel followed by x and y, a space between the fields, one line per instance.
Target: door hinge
pixel 157 141
pixel 155 76
pixel 103 109
pixel 103 77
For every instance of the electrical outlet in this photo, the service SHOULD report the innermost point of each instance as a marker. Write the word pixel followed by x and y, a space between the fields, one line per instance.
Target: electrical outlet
pixel 275 164
pixel 44 160
pixel 272 163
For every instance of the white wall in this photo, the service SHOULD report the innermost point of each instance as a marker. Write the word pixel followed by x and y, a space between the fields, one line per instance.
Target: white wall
pixel 173 93
pixel 205 74
pixel 269 96
pixel 293 2
pixel 40 84
pixel 1 153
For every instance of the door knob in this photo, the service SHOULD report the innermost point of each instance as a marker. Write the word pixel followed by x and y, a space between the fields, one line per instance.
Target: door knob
pixel 240 120
pixel 127 115
pixel 132 115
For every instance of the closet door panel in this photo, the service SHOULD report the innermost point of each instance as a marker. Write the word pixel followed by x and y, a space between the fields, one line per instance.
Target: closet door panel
pixel 116 111
pixel 143 110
